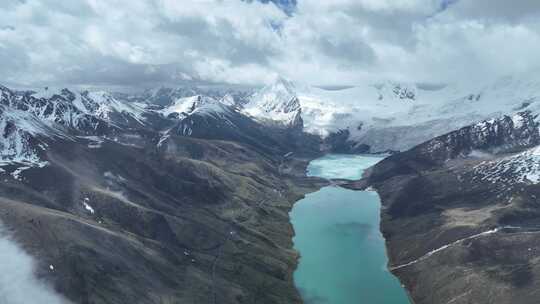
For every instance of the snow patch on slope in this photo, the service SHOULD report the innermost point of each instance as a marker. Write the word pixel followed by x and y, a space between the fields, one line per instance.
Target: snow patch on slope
pixel 202 106
pixel 519 168
pixel 29 118
pixel 187 105
pixel 103 104
pixel 18 143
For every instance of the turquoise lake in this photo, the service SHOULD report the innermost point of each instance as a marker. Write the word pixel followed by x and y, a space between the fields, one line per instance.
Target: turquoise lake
pixel 343 256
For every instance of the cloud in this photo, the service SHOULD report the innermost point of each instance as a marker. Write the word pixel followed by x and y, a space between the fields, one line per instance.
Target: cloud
pixel 95 42
pixel 143 43
pixel 346 50
pixel 18 284
pixel 15 59
pixel 496 10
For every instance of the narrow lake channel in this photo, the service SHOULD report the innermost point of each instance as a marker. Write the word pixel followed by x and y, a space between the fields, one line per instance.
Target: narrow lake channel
pixel 343 256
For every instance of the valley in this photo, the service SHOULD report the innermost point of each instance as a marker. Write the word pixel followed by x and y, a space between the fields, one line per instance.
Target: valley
pixel 128 210
pixel 269 152
pixel 460 228
pixel 189 201
pixel 342 252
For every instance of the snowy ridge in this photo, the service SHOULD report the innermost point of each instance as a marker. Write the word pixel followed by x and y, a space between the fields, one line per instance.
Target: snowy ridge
pixel 499 135
pixel 17 142
pixel 103 105
pixel 197 111
pixel 206 114
pixel 23 127
pixel 78 109
pixel 187 105
pixel 165 96
pixel 519 168
pixel 30 120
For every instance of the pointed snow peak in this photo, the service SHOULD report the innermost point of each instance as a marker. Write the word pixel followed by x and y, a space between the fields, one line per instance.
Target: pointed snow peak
pixel 5 94
pixel 3 88
pixel 228 100
pixel 279 97
pixel 275 102
pixel 67 94
pixel 281 84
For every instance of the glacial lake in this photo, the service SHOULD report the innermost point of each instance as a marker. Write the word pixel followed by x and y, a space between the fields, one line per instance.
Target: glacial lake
pixel 343 255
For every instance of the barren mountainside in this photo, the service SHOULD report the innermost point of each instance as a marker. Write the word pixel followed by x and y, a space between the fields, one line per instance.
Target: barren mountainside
pixel 460 213
pixel 120 204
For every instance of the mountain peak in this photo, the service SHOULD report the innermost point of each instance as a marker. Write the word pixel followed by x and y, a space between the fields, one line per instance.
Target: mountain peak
pixel 276 102
pixel 280 83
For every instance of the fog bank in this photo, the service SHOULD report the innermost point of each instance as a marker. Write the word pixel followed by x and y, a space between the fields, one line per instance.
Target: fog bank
pixel 18 284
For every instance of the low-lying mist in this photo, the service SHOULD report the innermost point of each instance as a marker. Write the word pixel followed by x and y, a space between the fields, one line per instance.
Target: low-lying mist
pixel 18 284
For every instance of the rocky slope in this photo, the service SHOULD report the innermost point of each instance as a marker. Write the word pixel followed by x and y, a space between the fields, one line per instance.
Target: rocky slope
pixel 460 213
pixel 120 204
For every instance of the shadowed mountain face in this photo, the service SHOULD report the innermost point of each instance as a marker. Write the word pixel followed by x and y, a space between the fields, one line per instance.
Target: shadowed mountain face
pixel 460 213
pixel 130 209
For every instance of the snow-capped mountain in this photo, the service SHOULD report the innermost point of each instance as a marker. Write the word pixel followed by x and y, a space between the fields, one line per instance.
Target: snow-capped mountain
pixel 205 117
pixel 32 120
pixel 523 167
pixel 165 96
pixel 364 118
pixel 182 107
pixel 120 157
pixel 214 120
pixel 78 109
pixel 502 135
pixel 276 102
pixel 455 201
pixel 390 115
pixel 103 105
pixel 20 141
pixel 104 179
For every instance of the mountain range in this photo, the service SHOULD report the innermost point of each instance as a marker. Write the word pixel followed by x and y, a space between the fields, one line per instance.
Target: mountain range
pixel 182 194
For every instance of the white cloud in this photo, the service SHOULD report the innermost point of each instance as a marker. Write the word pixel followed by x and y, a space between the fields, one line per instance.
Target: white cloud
pixel 18 284
pixel 323 42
